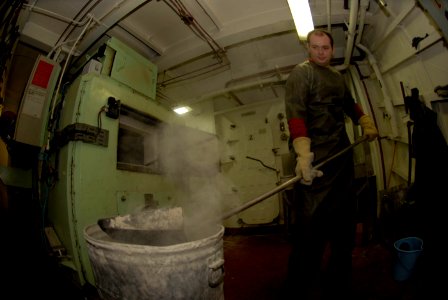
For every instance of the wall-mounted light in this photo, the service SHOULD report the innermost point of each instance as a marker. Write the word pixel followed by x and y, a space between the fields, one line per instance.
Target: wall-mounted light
pixel 301 14
pixel 180 110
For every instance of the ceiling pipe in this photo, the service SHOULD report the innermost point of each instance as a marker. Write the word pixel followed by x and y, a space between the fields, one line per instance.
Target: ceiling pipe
pixel 351 34
pixel 278 71
pixel 117 13
pixel 362 17
pixel 403 14
pixel 386 96
pixel 377 158
pixel 354 10
pixel 260 83
pixel 329 15
pixel 82 14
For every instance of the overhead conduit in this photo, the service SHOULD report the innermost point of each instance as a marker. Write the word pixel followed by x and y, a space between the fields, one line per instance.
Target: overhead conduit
pixel 353 18
pixel 351 42
pixel 259 83
pixel 354 10
pixel 386 97
pixel 362 18
pixel 282 78
pixel 374 64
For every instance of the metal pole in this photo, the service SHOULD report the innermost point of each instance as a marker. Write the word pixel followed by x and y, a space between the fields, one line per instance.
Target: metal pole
pixel 287 183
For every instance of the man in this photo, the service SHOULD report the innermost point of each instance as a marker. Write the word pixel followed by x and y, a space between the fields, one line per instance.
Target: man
pixel 317 101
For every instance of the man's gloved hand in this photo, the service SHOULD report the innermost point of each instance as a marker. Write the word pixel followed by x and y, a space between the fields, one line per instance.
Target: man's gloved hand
pixel 368 128
pixel 305 158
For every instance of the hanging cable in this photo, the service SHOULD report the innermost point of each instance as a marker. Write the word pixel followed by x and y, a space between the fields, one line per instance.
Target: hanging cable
pixel 205 11
pixel 262 163
pixel 219 53
pixel 179 8
pixel 56 92
pixel 193 74
pixel 55 15
pixel 81 16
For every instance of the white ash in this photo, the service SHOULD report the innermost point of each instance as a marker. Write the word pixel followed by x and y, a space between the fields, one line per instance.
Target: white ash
pixel 150 219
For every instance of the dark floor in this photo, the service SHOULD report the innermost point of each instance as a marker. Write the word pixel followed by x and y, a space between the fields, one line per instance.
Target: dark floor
pixel 256 266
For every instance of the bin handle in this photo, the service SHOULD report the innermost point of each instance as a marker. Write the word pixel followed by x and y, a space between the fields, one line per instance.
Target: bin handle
pixel 217 266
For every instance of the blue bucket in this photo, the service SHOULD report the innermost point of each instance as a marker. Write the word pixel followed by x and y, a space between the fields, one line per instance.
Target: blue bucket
pixel 408 250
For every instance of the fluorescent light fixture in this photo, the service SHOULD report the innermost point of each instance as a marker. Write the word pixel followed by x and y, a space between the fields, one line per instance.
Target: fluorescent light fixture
pixel 180 110
pixel 301 14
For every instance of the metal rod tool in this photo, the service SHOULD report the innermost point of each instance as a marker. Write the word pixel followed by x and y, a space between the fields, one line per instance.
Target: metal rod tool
pixel 288 182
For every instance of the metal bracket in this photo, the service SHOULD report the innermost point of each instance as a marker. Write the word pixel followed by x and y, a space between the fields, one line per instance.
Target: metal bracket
pixel 85 133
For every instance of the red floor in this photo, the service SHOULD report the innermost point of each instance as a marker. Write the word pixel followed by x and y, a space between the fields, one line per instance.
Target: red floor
pixel 256 267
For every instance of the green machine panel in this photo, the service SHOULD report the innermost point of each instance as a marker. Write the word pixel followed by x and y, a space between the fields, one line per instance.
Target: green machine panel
pixel 128 67
pixel 90 185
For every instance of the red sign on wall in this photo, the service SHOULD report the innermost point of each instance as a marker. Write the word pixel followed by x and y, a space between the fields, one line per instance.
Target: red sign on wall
pixel 42 75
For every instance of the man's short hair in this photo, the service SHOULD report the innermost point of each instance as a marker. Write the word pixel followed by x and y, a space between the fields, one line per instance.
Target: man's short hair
pixel 320 32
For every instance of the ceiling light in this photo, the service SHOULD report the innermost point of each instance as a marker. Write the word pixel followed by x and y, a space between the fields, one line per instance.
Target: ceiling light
pixel 180 110
pixel 301 14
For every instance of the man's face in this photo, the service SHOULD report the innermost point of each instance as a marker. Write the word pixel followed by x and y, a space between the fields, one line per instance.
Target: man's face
pixel 320 50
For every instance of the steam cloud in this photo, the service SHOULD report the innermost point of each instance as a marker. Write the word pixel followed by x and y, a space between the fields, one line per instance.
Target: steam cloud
pixel 190 158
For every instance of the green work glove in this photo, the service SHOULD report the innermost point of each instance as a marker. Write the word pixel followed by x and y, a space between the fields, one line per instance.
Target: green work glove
pixel 368 128
pixel 305 157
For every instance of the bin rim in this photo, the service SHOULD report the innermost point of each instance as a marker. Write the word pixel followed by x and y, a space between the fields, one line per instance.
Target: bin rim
pixel 399 241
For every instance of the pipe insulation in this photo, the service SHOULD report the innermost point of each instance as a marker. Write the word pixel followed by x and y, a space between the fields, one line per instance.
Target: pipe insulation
pixel 362 17
pixel 394 24
pixel 259 83
pixel 353 17
pixel 351 31
pixel 386 96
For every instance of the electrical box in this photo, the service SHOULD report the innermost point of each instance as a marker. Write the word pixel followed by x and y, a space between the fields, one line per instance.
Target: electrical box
pixel 34 108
